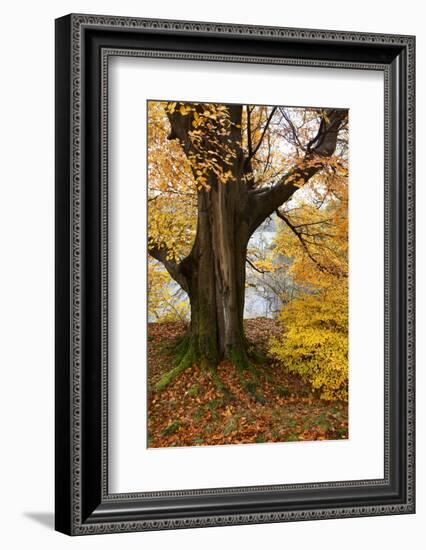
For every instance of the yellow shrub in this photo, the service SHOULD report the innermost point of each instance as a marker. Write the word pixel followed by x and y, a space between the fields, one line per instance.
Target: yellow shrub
pixel 314 343
pixel 177 312
pixel 165 305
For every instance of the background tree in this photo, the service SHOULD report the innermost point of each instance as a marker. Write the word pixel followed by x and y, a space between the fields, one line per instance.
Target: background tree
pixel 235 166
pixel 314 326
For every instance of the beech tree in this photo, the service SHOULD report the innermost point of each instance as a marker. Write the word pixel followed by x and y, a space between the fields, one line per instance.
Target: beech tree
pixel 235 165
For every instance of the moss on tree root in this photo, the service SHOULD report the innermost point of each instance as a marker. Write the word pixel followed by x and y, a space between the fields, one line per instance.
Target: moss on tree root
pixel 187 353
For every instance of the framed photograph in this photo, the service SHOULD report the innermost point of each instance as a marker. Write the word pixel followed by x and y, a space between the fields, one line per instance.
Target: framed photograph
pixel 234 274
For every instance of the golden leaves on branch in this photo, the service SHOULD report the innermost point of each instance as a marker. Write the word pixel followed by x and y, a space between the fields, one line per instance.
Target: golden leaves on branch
pixel 212 152
pixel 172 199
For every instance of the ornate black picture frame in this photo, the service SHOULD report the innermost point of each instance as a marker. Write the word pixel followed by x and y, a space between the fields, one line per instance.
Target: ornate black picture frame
pixel 83 503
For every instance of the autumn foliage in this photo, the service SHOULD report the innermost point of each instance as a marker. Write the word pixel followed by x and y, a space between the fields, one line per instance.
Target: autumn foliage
pixel 314 340
pixel 314 343
pixel 218 176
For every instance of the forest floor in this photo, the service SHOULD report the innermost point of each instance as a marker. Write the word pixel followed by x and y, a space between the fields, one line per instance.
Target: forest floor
pixel 273 406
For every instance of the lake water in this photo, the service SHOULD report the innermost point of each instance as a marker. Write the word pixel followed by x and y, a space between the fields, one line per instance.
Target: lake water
pixel 260 301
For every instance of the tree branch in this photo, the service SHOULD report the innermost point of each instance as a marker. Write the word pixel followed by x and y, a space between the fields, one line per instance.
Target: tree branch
pixel 263 204
pixel 295 140
pixel 249 144
pixel 251 264
pixel 172 267
pixel 325 222
pixel 268 121
pixel 334 270
pixel 299 236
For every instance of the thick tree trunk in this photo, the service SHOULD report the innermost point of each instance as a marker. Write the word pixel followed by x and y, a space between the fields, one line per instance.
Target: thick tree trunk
pixel 217 274
pixel 214 278
pixel 215 269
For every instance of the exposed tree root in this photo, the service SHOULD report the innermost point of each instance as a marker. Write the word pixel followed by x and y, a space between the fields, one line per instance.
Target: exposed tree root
pixel 186 355
pixel 240 360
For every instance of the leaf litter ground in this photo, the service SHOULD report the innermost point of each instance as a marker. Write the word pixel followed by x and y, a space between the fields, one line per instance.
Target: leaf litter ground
pixel 266 405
